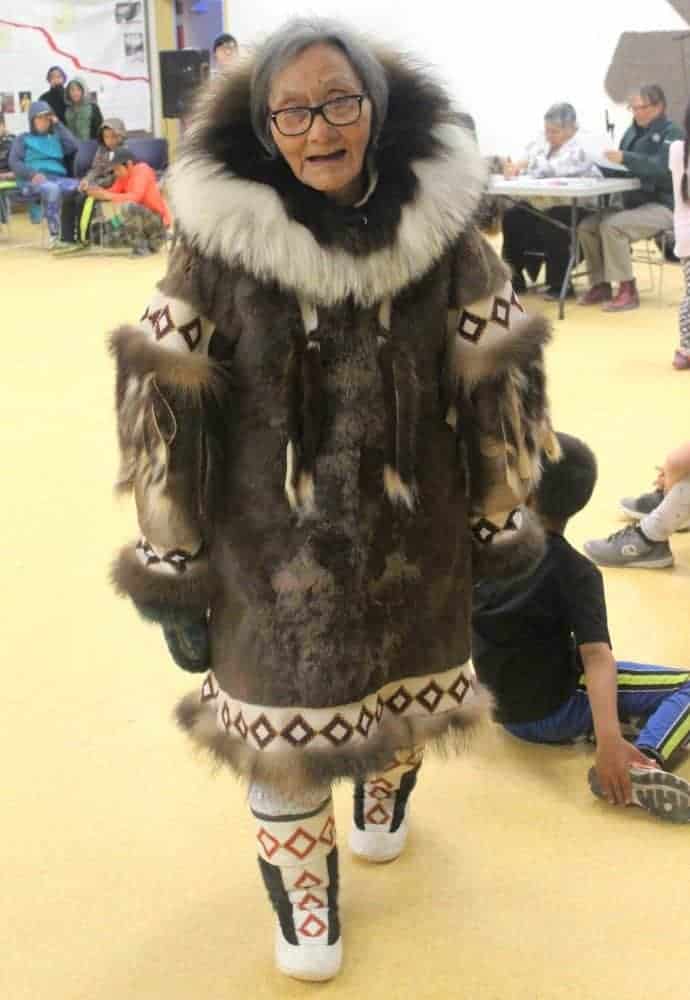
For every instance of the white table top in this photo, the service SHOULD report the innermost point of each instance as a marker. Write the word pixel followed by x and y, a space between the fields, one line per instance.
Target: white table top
pixel 560 187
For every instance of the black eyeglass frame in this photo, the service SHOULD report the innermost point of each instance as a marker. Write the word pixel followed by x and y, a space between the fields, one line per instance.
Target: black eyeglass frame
pixel 319 109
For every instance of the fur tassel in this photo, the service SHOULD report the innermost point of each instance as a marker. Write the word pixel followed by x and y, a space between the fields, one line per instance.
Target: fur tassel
pixel 396 490
pixel 407 416
pixel 312 405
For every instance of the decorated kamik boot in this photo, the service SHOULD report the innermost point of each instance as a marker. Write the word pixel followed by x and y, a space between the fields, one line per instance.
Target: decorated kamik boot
pixel 381 819
pixel 298 858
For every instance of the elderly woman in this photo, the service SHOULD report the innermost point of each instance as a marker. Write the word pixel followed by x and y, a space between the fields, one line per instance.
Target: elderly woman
pixel 526 236
pixel 330 411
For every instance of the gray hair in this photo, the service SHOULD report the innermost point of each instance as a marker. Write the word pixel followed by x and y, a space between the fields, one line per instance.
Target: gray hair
pixel 287 42
pixel 562 115
pixel 652 93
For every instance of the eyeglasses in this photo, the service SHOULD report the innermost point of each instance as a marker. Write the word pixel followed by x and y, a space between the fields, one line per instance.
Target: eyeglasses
pixel 338 111
pixel 638 107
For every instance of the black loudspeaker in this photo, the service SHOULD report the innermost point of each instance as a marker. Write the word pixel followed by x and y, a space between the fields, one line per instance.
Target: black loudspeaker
pixel 182 72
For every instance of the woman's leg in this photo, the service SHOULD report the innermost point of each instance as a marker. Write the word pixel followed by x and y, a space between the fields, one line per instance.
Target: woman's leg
pixel 557 245
pixel 380 820
pixel 520 234
pixel 298 858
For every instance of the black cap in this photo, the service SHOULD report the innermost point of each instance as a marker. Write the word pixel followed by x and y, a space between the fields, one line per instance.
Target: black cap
pixel 123 155
pixel 224 39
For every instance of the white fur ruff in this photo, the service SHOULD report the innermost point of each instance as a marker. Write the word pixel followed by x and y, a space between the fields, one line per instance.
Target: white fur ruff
pixel 245 224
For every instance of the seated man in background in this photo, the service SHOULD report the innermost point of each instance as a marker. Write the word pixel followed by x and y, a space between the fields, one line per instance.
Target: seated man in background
pixel 606 236
pixel 38 159
pixel 140 214
pixel 526 236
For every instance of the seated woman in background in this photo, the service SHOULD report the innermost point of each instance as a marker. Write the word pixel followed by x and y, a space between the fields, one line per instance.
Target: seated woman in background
pixel 83 116
pixel 38 159
pixel 559 154
pixel 77 206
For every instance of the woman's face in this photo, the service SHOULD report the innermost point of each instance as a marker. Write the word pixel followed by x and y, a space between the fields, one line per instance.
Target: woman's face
pixel 328 158
pixel 75 93
pixel 111 139
pixel 556 135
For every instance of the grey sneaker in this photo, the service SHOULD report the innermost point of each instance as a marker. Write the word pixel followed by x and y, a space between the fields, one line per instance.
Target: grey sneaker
pixel 627 547
pixel 662 794
pixel 637 507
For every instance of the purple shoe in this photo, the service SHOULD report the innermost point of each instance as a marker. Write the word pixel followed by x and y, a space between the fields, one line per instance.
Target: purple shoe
pixel 681 360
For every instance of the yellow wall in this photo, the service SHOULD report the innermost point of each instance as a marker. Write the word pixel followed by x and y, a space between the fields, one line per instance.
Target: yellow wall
pixel 164 12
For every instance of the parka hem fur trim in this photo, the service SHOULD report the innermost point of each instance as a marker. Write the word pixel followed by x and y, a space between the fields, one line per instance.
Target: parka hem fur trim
pixel 160 593
pixel 290 770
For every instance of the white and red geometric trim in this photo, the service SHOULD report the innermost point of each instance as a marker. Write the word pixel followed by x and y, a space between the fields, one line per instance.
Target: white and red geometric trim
pixel 298 843
pixel 276 729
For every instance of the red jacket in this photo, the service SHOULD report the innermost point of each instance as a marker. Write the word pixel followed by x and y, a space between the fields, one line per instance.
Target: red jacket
pixel 140 185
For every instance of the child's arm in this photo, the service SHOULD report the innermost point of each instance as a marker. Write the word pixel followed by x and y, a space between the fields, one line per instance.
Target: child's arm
pixel 615 755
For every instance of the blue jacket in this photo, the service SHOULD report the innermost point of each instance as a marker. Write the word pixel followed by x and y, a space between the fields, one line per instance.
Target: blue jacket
pixel 29 155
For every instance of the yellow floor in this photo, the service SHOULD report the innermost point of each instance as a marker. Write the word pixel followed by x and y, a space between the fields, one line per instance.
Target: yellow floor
pixel 127 867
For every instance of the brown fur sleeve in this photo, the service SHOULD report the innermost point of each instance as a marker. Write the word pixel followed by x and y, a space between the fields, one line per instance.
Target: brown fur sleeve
pixel 166 382
pixel 500 411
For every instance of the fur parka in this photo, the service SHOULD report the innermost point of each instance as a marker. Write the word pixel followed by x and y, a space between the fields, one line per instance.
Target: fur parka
pixel 330 419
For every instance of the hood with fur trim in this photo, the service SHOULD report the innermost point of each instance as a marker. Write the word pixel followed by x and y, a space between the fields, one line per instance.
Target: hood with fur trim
pixel 235 202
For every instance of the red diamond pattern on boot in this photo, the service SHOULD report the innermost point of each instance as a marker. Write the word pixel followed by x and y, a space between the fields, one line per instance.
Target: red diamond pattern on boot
pixel 296 844
pixel 379 788
pixel 307 881
pixel 378 815
pixel 327 835
pixel 269 843
pixel 311 902
pixel 312 927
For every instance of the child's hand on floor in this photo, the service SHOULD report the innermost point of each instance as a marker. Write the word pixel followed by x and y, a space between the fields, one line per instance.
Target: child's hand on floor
pixel 614 759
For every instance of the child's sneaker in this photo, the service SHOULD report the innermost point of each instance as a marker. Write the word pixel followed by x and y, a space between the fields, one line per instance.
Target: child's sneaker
pixel 628 547
pixel 658 792
pixel 638 507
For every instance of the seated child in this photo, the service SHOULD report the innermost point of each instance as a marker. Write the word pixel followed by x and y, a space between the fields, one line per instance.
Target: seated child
pixel 645 545
pixel 541 643
pixel 38 161
pixel 77 206
pixel 141 214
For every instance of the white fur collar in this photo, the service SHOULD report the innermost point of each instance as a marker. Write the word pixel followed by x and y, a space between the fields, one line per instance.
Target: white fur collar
pixel 245 224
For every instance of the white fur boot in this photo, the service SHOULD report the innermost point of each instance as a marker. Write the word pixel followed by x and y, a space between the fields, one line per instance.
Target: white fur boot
pixel 298 858
pixel 380 822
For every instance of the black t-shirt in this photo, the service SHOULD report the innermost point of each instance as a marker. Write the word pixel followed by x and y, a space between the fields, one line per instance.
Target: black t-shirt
pixel 526 632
